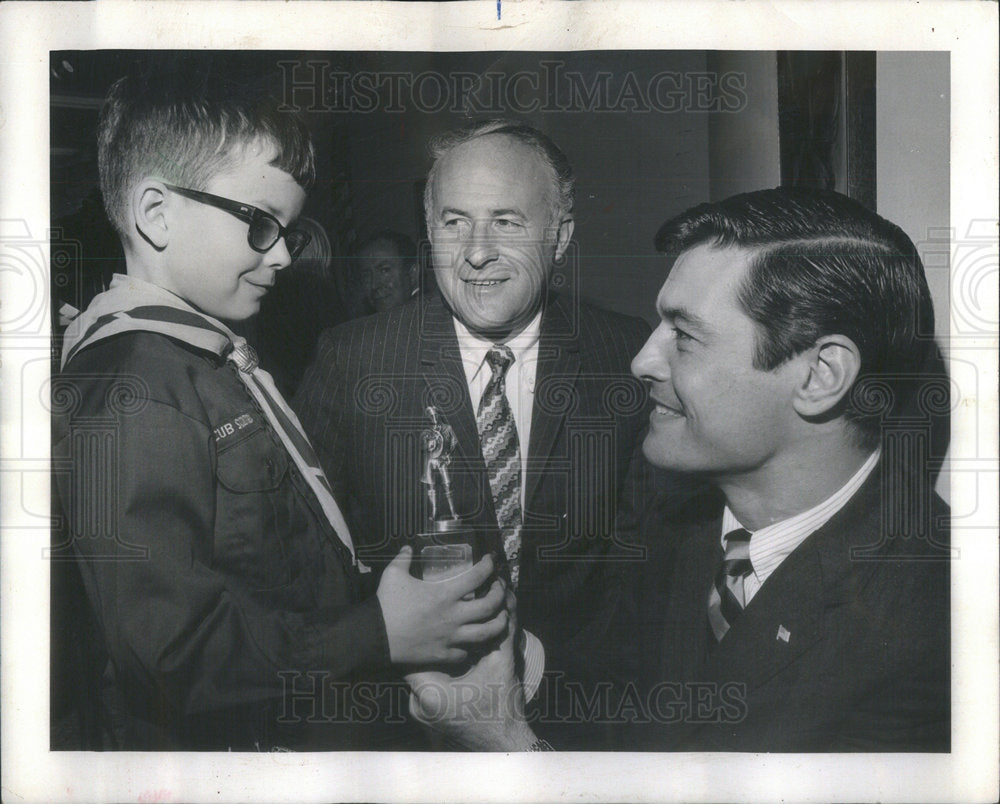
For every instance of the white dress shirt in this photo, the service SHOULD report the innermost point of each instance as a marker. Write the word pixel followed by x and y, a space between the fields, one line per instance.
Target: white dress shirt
pixel 520 378
pixel 520 388
pixel 771 545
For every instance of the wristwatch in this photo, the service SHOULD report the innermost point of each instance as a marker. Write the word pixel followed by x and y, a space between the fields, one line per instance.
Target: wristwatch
pixel 540 745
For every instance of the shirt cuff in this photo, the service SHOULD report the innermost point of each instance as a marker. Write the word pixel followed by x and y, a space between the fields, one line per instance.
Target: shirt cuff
pixel 534 664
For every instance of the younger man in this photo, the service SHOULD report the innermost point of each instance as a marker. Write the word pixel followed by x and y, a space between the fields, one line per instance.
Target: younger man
pixel 216 560
pixel 803 602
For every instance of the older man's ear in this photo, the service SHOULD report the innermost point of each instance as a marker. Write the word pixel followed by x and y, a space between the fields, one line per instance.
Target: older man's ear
pixel 564 234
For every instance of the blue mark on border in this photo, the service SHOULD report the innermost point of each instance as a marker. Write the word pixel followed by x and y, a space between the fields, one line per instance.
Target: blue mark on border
pixel 498 9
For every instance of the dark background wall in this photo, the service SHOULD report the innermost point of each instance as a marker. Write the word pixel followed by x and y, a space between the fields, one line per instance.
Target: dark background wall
pixel 649 133
pixel 634 169
pixel 635 125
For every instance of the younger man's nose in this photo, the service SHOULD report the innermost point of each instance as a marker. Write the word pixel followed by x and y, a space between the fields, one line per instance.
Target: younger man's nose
pixel 650 363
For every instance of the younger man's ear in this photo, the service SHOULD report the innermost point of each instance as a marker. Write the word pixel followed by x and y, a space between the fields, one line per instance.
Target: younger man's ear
pixel 833 365
pixel 149 213
pixel 564 233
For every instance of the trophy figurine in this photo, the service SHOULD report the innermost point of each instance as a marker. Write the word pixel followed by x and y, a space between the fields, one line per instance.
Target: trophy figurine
pixel 438 442
pixel 449 547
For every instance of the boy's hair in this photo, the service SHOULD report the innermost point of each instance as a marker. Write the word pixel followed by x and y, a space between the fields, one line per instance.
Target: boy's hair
pixel 186 131
pixel 823 264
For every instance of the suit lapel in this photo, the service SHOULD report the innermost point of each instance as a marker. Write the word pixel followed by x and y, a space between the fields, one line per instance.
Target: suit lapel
pixel 555 389
pixel 555 392
pixel 786 617
pixel 687 636
pixel 448 390
pixel 782 622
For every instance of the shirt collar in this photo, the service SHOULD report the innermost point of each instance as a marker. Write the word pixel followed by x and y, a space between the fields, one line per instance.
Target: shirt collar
pixel 769 546
pixel 474 347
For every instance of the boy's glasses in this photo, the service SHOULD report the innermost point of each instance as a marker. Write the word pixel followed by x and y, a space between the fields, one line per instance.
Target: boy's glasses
pixel 265 229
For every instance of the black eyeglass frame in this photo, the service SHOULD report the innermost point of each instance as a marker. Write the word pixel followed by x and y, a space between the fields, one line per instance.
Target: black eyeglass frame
pixel 252 215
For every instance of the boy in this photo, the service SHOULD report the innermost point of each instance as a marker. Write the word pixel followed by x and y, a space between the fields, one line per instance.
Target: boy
pixel 215 558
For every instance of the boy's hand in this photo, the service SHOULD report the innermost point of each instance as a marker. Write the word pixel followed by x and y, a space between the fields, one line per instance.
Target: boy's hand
pixel 430 622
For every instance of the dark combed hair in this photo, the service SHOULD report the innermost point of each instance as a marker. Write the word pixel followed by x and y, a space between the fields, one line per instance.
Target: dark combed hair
pixel 823 264
pixel 547 150
pixel 185 128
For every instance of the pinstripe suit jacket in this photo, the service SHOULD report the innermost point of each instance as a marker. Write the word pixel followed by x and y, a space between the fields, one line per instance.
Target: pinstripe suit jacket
pixel 363 404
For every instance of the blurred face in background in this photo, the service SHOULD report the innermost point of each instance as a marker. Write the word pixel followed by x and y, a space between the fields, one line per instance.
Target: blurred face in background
pixel 387 277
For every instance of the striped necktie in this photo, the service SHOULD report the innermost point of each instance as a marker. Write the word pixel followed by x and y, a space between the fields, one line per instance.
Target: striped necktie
pixel 725 600
pixel 502 454
pixel 261 386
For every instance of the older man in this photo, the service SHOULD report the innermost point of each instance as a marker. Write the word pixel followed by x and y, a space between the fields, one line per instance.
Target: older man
pixel 803 603
pixel 536 389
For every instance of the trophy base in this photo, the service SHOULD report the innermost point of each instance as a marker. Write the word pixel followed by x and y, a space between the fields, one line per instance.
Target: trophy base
pixel 448 549
pixel 448 525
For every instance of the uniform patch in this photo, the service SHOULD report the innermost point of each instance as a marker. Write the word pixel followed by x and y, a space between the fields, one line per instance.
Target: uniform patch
pixel 244 424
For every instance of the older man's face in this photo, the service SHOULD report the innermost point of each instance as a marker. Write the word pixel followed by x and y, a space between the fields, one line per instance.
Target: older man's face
pixel 494 233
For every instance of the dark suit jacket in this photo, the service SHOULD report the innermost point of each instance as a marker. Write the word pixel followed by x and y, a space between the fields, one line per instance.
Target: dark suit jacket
pixel 846 647
pixel 363 404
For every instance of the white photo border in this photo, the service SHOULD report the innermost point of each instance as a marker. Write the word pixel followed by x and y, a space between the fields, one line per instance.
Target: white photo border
pixel 28 31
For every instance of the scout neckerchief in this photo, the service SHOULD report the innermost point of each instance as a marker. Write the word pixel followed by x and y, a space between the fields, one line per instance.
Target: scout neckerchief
pixel 132 305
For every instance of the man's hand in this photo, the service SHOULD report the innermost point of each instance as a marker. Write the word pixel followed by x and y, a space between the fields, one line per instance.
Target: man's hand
pixel 482 710
pixel 432 622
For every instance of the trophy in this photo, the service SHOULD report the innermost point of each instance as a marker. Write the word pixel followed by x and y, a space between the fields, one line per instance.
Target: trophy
pixel 450 546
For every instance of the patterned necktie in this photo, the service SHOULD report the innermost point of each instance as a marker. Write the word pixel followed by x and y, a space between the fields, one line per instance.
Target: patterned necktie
pixel 502 454
pixel 725 600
